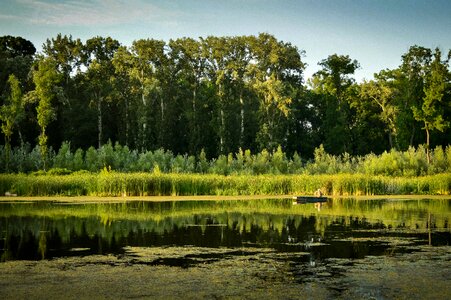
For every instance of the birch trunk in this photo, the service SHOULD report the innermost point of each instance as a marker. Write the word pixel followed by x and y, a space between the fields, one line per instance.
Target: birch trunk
pixel 221 132
pixel 222 127
pixel 242 119
pixel 99 121
pixel 162 110
pixel 428 154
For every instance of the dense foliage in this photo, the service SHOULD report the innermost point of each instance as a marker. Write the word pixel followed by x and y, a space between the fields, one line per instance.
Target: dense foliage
pixel 214 96
pixel 413 162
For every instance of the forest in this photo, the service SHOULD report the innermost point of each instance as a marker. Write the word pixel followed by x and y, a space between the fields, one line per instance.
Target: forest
pixel 216 98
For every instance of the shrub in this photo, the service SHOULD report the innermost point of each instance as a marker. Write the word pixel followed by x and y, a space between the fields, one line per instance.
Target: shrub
pixel 410 163
pixel 78 160
pixel 202 164
pixel 91 160
pixel 64 158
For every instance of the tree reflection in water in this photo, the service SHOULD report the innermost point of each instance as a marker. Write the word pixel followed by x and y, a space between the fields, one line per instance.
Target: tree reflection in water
pixel 343 228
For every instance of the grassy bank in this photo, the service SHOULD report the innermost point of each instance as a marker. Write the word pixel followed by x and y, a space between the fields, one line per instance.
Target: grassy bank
pixel 109 183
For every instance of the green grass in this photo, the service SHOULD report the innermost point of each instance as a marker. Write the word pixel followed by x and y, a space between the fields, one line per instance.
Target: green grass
pixel 110 183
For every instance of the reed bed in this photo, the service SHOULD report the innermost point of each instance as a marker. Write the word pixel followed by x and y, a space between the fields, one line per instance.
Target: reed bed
pixel 110 183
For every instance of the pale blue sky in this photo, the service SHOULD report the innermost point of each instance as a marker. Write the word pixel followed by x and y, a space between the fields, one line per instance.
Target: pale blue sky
pixel 375 32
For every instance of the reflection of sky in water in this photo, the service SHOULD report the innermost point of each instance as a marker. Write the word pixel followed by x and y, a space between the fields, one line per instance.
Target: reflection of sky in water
pixel 341 229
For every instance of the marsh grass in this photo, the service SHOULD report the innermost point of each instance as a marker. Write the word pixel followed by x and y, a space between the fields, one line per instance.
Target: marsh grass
pixel 111 183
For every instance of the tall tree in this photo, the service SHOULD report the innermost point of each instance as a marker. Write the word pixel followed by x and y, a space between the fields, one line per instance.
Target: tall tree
pixel 171 124
pixel 16 46
pixel 11 113
pixel 123 88
pixel 333 81
pixel 241 77
pixel 99 52
pixel 186 54
pixel 147 56
pixel 68 55
pixel 46 79
pixel 381 92
pixel 277 74
pixel 431 111
pixel 16 57
pixel 334 77
pixel 216 51
pixel 409 81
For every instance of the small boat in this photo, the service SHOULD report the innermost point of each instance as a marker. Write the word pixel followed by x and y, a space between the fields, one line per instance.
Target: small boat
pixel 310 199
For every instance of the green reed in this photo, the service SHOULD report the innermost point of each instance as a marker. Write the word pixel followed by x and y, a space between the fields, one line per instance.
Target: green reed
pixel 110 183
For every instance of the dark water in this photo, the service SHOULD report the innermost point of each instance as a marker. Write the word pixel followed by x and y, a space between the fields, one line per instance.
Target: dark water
pixel 340 229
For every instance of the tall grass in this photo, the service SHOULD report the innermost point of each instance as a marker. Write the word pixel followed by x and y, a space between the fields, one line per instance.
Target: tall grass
pixel 111 183
pixel 118 171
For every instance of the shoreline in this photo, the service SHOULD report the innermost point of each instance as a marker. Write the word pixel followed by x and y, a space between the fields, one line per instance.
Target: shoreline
pixel 207 198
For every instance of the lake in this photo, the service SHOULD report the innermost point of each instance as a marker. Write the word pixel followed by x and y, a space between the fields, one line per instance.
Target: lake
pixel 266 248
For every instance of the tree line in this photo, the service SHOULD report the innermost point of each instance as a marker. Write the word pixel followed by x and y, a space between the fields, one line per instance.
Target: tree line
pixel 216 95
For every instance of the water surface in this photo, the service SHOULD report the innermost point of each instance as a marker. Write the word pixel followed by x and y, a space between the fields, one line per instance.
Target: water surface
pixel 343 228
pixel 245 249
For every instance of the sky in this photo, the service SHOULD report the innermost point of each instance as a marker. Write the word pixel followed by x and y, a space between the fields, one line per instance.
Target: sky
pixel 374 32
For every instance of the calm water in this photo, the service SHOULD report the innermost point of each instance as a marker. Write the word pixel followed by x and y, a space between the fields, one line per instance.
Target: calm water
pixel 343 228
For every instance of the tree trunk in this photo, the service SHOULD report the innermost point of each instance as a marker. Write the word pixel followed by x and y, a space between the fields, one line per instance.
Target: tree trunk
pixel 43 147
pixel 393 135
pixel 99 121
pixel 390 139
pixel 143 115
pixel 194 102
pixel 194 139
pixel 242 120
pixel 7 151
pixel 428 154
pixel 143 99
pixel 126 121
pixel 271 121
pixel 222 126
pixel 162 110
pixel 221 133
pixel 20 137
